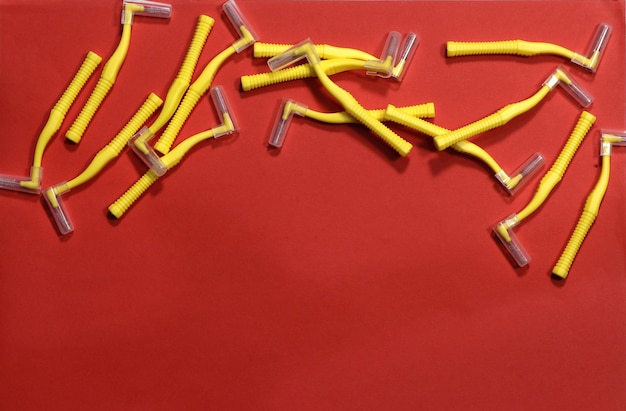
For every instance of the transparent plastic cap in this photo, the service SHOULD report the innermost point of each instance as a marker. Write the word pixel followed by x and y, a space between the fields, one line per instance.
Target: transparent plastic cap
pixel 247 35
pixel 600 40
pixel 287 109
pixel 611 138
pixel 563 78
pixel 303 50
pixel 30 184
pixel 405 55
pixel 132 8
pixel 520 176
pixel 225 113
pixel 52 196
pixel 504 233
pixel 139 145
pixel 384 66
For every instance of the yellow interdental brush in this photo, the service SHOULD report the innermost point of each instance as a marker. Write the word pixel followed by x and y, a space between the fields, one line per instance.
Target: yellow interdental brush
pixel 504 229
pixel 112 67
pixel 609 139
pixel 530 48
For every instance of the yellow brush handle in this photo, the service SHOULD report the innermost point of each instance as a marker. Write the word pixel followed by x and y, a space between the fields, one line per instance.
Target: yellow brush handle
pixel 76 131
pixel 62 106
pixel 426 110
pixel 113 149
pixel 119 207
pixel 203 28
pixel 92 60
pixel 324 51
pixel 267 79
pixel 562 267
pixel 104 85
pixel 514 47
pixel 557 171
pixel 183 78
pixel 586 220
pixel 460 48
pixel 302 71
pixel 584 123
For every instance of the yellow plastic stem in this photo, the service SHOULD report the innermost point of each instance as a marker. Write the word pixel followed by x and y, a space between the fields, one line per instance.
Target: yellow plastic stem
pixel 497 119
pixel 183 78
pixel 197 89
pixel 426 110
pixel 556 172
pixel 302 71
pixel 170 160
pixel 113 149
pixel 324 51
pixel 122 204
pixel 586 220
pixel 514 47
pixel 394 114
pixel 104 85
pixel 58 112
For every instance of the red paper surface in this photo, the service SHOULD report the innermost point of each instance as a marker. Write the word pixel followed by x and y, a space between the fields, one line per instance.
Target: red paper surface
pixel 331 274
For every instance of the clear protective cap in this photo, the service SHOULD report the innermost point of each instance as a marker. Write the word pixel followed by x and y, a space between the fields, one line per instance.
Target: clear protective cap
pixel 148 8
pixel 287 109
pixel 405 55
pixel 520 176
pixel 504 232
pixel 139 145
pixel 384 66
pixel 52 196
pixel 229 124
pixel 31 184
pixel 611 138
pixel 303 50
pixel 247 35
pixel 563 78
pixel 600 40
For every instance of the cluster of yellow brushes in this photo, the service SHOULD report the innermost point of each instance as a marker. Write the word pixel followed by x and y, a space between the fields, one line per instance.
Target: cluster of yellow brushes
pixel 289 62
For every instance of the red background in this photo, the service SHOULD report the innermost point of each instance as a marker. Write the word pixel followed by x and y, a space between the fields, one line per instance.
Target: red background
pixel 328 275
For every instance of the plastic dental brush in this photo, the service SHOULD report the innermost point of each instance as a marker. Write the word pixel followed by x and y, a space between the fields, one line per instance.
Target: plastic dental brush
pixel 199 87
pixel 109 152
pixel 591 209
pixel 511 182
pixel 393 62
pixel 130 8
pixel 183 78
pixel 171 159
pixel 559 77
pixel 528 48
pixel 32 183
pixel 504 229
pixel 139 142
pixel 290 107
